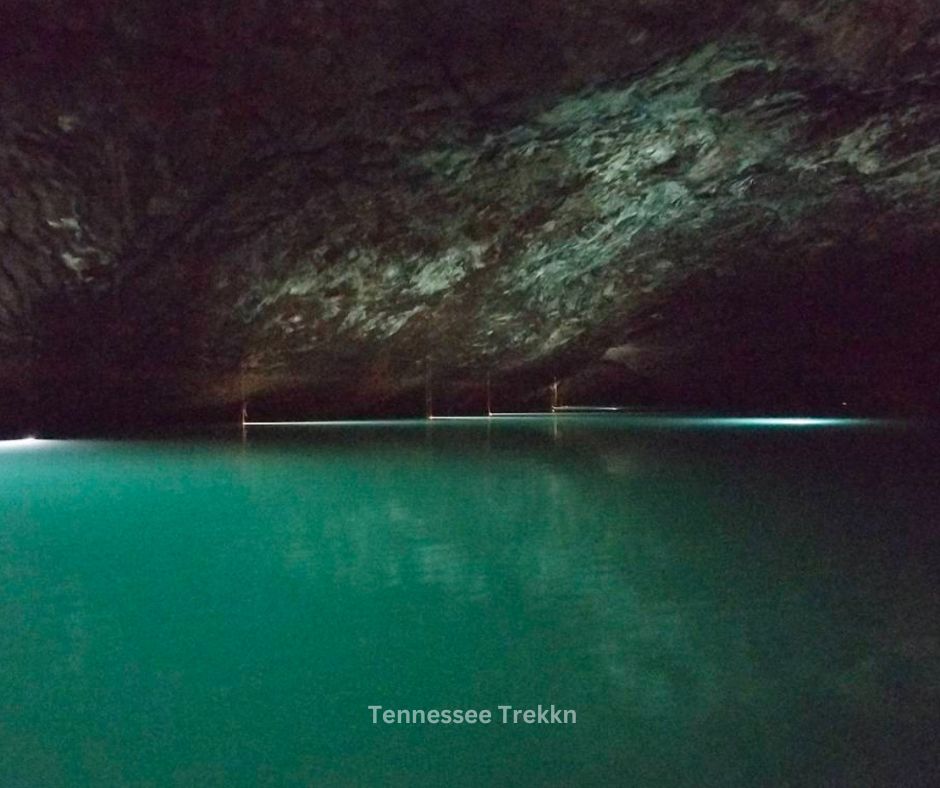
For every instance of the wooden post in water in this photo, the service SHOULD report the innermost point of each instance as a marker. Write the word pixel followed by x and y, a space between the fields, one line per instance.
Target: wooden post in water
pixel 554 395
pixel 428 402
pixel 243 418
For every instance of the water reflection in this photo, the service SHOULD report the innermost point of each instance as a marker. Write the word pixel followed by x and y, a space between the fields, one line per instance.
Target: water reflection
pixel 636 569
pixel 717 609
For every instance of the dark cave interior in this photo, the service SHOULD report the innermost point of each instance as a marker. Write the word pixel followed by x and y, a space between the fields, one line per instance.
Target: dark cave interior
pixel 319 207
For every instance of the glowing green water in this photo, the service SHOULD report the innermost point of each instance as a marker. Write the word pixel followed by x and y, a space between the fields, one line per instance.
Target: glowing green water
pixel 722 605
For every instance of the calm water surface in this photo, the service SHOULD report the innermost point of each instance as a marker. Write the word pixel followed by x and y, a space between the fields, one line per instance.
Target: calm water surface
pixel 721 604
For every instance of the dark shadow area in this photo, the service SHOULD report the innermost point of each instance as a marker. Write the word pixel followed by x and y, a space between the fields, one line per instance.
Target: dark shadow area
pixel 854 330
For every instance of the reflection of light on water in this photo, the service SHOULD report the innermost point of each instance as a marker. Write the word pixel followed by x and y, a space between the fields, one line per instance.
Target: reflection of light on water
pixel 26 443
pixel 442 564
pixel 652 419
pixel 784 422
pixel 619 464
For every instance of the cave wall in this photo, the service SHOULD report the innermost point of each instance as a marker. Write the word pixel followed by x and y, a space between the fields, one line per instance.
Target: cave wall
pixel 318 206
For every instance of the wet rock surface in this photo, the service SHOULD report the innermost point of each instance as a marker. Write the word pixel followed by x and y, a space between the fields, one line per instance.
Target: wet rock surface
pixel 319 207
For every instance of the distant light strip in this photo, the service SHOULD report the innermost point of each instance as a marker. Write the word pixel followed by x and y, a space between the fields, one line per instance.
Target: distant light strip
pixel 785 421
pixel 24 443
pixel 515 415
pixel 579 409
pixel 492 416
pixel 389 422
pixel 665 420
pixel 653 419
pixel 328 423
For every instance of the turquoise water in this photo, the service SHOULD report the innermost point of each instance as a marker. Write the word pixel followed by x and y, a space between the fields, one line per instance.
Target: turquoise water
pixel 727 604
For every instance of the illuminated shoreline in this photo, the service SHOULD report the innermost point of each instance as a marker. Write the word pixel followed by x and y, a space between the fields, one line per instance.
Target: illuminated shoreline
pixel 638 419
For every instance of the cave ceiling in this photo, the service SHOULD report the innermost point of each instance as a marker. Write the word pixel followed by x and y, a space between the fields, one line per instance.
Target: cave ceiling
pixel 326 204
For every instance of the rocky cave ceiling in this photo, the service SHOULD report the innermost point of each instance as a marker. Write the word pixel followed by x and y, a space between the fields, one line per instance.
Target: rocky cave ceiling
pixel 318 205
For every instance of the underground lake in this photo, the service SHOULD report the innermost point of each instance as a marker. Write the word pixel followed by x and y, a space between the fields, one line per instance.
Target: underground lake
pixel 727 602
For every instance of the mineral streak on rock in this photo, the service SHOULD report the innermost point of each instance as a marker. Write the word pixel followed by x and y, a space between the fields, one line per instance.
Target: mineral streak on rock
pixel 309 204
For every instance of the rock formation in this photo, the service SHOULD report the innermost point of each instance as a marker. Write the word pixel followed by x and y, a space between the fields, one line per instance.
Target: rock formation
pixel 318 206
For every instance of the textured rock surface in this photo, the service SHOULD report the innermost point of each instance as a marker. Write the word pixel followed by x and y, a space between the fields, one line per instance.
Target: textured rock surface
pixel 318 205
